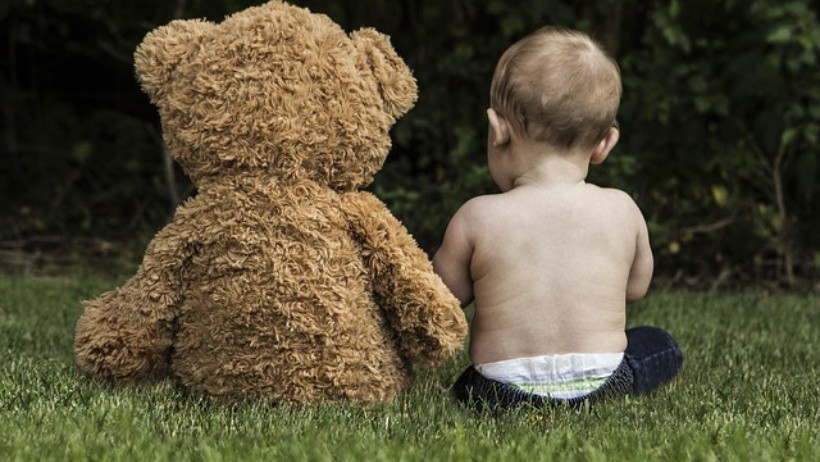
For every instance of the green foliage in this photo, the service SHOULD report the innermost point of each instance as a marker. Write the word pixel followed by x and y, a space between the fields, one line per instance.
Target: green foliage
pixel 748 391
pixel 720 119
pixel 721 106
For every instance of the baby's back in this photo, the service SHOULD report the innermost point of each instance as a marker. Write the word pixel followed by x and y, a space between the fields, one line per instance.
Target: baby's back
pixel 550 270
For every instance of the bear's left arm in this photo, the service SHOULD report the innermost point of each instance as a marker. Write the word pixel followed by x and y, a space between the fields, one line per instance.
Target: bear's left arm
pixel 126 333
pixel 426 316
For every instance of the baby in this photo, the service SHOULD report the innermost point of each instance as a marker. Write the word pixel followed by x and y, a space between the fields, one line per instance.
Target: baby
pixel 551 261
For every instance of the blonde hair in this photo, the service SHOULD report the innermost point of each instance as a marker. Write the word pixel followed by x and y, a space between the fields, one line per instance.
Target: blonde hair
pixel 559 86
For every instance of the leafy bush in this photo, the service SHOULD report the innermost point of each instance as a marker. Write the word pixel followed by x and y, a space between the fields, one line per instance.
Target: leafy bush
pixel 720 119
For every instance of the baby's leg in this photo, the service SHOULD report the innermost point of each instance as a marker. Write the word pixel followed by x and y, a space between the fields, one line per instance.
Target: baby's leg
pixel 483 394
pixel 654 357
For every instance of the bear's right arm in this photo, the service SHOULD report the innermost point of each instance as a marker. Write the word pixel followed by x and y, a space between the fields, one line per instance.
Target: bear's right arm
pixel 126 333
pixel 427 318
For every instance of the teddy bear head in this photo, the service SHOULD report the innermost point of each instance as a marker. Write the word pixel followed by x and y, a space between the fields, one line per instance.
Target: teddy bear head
pixel 276 91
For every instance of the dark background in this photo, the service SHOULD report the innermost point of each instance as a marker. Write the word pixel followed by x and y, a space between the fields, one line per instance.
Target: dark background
pixel 720 123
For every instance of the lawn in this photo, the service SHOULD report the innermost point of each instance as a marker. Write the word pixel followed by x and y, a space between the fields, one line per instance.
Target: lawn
pixel 749 391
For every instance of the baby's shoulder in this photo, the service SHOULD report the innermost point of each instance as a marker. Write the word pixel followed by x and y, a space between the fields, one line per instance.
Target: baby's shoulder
pixel 481 210
pixel 611 197
pixel 485 207
pixel 616 206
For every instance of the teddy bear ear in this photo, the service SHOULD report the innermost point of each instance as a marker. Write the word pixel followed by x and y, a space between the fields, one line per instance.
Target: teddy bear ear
pixel 163 49
pixel 394 79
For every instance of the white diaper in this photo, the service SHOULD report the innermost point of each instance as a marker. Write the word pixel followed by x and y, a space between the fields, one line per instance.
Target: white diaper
pixel 558 376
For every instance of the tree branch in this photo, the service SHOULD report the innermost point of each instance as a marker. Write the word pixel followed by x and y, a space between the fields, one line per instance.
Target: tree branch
pixel 785 225
pixel 710 228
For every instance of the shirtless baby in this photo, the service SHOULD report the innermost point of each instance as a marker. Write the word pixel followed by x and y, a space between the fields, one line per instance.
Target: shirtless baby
pixel 551 261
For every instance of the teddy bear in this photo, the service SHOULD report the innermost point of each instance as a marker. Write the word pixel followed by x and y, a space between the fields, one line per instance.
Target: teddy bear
pixel 281 279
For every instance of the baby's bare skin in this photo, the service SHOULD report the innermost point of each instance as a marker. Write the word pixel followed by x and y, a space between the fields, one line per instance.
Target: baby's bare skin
pixel 550 262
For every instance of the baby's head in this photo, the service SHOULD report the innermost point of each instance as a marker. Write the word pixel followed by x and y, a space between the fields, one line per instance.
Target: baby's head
pixel 557 86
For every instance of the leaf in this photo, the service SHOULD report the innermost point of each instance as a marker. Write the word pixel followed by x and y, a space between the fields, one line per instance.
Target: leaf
pixel 782 34
pixel 81 151
pixel 702 104
pixel 788 136
pixel 720 195
pixel 512 25
pixel 674 9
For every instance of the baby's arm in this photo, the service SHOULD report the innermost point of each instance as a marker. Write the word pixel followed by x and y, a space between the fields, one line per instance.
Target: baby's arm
pixel 452 261
pixel 640 275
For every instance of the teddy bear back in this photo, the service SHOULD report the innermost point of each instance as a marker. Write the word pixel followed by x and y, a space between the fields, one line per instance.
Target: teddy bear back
pixel 278 302
pixel 275 91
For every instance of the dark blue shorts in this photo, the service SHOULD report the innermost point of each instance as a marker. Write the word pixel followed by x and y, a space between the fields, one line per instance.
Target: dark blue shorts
pixel 651 358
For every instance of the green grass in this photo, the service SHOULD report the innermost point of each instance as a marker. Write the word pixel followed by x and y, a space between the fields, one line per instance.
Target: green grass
pixel 748 391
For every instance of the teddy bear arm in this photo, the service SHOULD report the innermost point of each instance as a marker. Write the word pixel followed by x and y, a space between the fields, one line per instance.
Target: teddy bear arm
pixel 126 333
pixel 427 318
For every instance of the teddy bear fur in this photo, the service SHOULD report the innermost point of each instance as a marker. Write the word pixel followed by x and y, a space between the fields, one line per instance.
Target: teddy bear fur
pixel 280 279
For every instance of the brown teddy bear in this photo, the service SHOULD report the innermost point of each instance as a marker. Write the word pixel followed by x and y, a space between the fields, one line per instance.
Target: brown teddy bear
pixel 279 279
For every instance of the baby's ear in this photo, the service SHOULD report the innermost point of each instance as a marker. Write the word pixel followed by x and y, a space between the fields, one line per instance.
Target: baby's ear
pixel 603 148
pixel 499 128
pixel 396 84
pixel 163 49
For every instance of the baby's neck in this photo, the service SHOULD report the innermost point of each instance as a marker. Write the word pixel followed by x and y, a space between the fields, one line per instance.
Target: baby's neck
pixel 551 169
